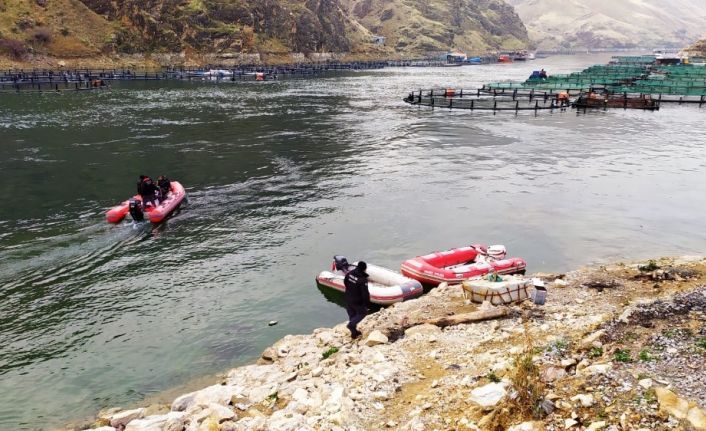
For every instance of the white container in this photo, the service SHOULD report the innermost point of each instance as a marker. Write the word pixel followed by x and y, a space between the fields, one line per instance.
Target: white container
pixel 510 289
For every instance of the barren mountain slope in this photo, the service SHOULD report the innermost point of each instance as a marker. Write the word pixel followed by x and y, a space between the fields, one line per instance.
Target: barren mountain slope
pixel 610 23
pixel 66 28
pixel 422 26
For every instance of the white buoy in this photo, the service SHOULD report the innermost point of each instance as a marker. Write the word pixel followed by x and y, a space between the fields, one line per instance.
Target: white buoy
pixel 272 323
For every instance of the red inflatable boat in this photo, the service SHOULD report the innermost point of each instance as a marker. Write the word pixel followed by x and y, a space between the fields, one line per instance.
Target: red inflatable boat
pixel 155 214
pixel 453 266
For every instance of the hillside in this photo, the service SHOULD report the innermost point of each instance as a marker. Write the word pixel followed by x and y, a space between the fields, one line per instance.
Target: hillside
pixel 556 24
pixel 89 28
pixel 422 26
pixel 698 49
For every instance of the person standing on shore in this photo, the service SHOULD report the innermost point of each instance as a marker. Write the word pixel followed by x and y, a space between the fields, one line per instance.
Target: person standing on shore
pixel 357 297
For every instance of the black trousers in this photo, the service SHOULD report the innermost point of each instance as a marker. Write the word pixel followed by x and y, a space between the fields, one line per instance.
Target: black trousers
pixel 356 313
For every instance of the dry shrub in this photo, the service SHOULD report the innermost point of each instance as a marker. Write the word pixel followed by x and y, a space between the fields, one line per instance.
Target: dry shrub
pixel 527 381
pixel 42 35
pixel 13 48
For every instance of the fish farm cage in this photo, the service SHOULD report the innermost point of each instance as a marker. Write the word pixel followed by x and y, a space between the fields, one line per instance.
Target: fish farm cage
pixel 628 82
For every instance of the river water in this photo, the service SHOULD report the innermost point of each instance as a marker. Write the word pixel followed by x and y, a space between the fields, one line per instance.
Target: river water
pixel 281 176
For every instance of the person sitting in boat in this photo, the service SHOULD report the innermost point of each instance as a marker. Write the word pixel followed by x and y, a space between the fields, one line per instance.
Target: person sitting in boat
pixel 357 297
pixel 149 192
pixel 543 74
pixel 164 186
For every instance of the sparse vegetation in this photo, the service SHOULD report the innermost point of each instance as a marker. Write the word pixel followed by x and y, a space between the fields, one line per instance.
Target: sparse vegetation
pixel 622 355
pixel 595 352
pixel 650 396
pixel 492 377
pixel 526 380
pixel 329 352
pixel 646 356
pixel 650 266
pixel 42 35
pixel 13 48
pixel 701 343
pixel 558 347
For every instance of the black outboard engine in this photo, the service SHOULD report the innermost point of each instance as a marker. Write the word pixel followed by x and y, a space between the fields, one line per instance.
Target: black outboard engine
pixel 136 210
pixel 340 263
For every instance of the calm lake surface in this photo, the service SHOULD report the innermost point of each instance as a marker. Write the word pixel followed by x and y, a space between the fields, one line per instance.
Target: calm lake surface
pixel 281 176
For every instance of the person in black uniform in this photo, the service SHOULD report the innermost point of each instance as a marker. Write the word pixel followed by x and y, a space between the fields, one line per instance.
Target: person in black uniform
pixel 149 192
pixel 357 297
pixel 164 186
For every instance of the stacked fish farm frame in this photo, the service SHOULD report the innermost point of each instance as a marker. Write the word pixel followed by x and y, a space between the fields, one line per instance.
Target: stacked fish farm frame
pixel 635 82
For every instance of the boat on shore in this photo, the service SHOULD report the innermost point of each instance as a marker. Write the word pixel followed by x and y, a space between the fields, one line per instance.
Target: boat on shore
pixel 385 286
pixel 519 55
pixel 155 214
pixel 456 265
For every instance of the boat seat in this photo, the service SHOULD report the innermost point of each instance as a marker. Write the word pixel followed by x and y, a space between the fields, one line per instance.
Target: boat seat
pixel 475 265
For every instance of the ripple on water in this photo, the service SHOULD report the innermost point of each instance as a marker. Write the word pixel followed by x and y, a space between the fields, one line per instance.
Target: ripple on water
pixel 281 177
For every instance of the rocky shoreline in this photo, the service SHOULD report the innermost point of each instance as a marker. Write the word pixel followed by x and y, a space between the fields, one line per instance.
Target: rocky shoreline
pixel 620 347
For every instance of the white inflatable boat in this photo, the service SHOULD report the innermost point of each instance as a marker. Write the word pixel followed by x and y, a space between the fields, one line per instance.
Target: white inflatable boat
pixel 385 286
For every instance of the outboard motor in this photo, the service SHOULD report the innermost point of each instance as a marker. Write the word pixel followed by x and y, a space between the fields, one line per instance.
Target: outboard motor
pixel 340 263
pixel 497 252
pixel 136 210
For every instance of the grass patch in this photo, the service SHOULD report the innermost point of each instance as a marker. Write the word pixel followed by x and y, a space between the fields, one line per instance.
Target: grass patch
pixel 650 266
pixel 595 352
pixel 622 355
pixel 645 356
pixel 670 333
pixel 329 352
pixel 526 380
pixel 650 396
pixel 492 377
pixel 643 376
pixel 701 343
pixel 558 347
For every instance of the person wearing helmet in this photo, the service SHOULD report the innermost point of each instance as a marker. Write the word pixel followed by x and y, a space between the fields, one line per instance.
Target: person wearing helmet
pixel 357 297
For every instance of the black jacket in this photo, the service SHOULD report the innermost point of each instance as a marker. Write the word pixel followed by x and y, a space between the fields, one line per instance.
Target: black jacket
pixel 357 293
pixel 148 190
pixel 164 186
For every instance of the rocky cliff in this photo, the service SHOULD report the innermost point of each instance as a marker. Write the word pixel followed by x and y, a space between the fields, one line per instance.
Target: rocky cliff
pixel 561 24
pixel 412 27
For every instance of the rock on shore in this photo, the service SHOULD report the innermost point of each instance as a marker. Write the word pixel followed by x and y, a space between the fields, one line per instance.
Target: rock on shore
pixel 614 348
